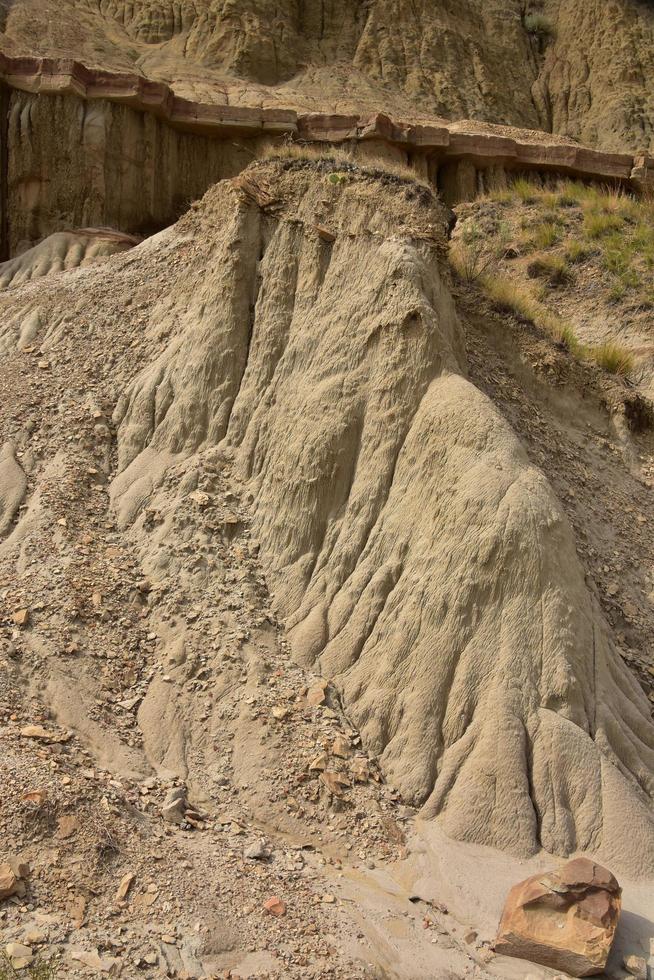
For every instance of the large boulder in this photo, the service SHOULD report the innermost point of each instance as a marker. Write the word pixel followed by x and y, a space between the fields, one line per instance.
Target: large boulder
pixel 565 919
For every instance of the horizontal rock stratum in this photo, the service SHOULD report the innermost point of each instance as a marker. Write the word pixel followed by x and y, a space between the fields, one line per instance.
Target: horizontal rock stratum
pixel 139 153
pixel 483 143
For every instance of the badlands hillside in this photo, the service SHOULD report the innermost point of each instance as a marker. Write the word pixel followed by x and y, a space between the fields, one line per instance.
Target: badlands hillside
pixel 326 488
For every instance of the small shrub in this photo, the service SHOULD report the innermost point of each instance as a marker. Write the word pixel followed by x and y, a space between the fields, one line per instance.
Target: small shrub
pixel 613 358
pixel 476 253
pixel 539 25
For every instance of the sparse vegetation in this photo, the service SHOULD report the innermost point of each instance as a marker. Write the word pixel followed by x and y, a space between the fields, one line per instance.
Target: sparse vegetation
pixel 546 234
pixel 341 162
pixel 598 224
pixel 553 268
pixel 577 252
pixel 613 358
pixel 37 970
pixel 598 238
pixel 539 25
pixel 474 256
pixel 525 190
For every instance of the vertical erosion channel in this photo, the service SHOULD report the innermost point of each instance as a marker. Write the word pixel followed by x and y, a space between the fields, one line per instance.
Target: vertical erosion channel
pixel 4 171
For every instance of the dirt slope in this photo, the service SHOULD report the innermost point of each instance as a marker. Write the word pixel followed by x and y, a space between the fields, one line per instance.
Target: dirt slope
pixel 576 68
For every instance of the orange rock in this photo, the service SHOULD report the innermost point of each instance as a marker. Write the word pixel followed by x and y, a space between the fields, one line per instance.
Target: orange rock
pixel 8 881
pixel 564 919
pixel 21 617
pixel 275 906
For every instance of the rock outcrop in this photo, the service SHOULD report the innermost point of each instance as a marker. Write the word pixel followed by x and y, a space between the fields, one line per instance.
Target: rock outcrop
pixel 64 250
pixel 564 919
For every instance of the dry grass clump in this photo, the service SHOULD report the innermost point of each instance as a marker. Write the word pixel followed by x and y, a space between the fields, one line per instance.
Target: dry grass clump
pixel 475 254
pixel 599 224
pixel 577 252
pixel 613 358
pixel 337 158
pixel 547 234
pixel 555 269
pixel 511 297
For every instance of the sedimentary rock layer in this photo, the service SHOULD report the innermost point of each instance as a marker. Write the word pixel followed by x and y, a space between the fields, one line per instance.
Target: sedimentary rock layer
pixel 578 68
pixel 93 147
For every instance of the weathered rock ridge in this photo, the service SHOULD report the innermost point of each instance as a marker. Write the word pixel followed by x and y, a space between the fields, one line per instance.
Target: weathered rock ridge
pixel 419 560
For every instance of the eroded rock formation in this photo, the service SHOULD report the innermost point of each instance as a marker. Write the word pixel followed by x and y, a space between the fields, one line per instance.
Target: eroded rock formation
pixel 419 560
pixel 85 146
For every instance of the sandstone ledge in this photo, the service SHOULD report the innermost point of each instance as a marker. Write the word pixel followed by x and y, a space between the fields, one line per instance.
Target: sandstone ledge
pixel 486 147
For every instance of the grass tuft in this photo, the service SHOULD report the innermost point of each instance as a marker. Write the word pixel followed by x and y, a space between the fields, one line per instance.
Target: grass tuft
pixel 598 224
pixel 613 358
pixel 547 234
pixel 555 269
pixel 577 252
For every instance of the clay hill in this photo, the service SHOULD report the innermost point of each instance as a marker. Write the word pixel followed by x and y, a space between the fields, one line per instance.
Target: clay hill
pixel 326 469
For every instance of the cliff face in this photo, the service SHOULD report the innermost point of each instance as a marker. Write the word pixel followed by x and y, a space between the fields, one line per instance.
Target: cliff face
pixel 575 68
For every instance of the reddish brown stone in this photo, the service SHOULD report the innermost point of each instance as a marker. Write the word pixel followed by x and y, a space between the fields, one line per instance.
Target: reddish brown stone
pixel 564 919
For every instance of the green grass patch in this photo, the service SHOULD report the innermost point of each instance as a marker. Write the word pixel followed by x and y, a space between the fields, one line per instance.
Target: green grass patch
pixel 547 234
pixel 577 252
pixel 598 224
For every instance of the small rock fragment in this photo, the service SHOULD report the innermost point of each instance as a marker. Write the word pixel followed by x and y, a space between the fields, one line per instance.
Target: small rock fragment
pixel 636 966
pixel 317 693
pixel 9 882
pixel 19 955
pixel 21 617
pixel 275 906
pixel 126 883
pixel 259 851
pixel 342 747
